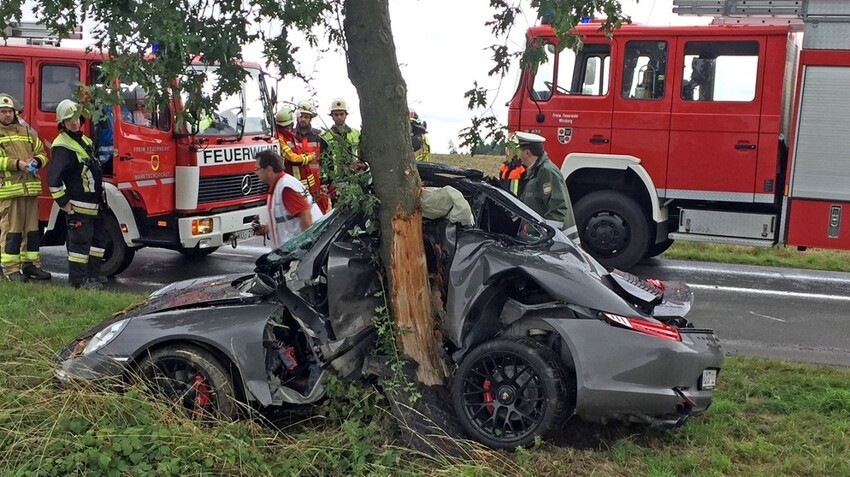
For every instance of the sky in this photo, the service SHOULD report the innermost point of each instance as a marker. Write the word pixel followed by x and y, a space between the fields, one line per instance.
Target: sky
pixel 442 50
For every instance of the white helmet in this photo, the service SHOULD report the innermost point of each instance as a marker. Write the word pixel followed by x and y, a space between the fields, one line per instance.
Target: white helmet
pixel 284 117
pixel 305 107
pixel 338 104
pixel 67 109
pixel 6 101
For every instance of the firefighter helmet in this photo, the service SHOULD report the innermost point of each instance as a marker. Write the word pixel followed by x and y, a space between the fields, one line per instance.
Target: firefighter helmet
pixel 305 107
pixel 67 109
pixel 283 117
pixel 7 101
pixel 338 104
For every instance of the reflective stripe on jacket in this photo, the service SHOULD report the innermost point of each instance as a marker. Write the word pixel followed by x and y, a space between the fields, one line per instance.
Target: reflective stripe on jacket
pixel 74 175
pixel 19 143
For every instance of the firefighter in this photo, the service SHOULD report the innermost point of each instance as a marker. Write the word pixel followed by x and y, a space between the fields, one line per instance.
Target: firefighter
pixel 308 140
pixel 21 155
pixel 296 162
pixel 290 207
pixel 545 190
pixel 340 143
pixel 512 172
pixel 76 184
pixel 419 139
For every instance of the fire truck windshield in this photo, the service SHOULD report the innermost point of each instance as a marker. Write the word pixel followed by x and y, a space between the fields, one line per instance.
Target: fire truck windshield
pixel 246 108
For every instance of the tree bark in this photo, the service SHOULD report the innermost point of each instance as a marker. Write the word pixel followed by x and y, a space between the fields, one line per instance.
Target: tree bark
pixel 385 146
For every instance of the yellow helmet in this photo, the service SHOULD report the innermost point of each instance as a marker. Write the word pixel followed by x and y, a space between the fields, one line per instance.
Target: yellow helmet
pixel 284 117
pixel 67 109
pixel 338 104
pixel 6 101
pixel 305 107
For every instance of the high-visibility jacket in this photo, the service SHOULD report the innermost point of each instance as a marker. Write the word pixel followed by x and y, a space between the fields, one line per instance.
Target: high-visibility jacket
pixel 510 176
pixel 74 174
pixel 19 143
pixel 421 147
pixel 298 160
pixel 344 137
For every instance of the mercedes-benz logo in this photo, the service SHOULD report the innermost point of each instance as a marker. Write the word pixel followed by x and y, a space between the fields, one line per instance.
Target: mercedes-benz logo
pixel 246 184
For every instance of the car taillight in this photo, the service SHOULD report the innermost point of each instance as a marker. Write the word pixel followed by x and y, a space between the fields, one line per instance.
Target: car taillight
pixel 658 330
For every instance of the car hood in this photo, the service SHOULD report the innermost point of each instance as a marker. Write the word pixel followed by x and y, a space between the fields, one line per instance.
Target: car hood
pixel 195 293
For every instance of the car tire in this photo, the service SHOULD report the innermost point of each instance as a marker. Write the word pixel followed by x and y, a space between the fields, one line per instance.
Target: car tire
pixel 504 409
pixel 613 228
pixel 118 255
pixel 192 378
pixel 197 253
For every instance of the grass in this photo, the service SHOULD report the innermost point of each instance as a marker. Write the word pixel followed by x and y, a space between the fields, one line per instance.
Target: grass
pixel 769 418
pixel 778 256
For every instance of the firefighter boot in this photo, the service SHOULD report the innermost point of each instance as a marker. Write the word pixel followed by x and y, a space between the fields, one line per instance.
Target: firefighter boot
pixel 16 277
pixel 31 271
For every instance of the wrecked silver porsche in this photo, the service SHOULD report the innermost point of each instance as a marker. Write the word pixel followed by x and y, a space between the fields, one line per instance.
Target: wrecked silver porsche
pixel 535 328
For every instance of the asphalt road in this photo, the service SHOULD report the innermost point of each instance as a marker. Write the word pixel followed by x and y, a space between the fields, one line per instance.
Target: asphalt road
pixel 769 312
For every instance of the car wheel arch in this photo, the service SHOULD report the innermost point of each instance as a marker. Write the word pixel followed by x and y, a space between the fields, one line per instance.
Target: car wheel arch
pixel 242 393
pixel 482 321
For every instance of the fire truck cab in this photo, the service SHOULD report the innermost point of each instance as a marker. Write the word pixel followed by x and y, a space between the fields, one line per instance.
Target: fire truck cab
pixel 726 133
pixel 165 187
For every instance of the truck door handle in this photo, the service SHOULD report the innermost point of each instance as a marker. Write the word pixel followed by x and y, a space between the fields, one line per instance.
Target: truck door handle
pixel 598 140
pixel 745 146
pixel 125 158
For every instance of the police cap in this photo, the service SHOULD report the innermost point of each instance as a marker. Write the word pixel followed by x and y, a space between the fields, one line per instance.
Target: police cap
pixel 525 139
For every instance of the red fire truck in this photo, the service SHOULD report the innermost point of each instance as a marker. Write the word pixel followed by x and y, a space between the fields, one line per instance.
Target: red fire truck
pixel 166 186
pixel 734 132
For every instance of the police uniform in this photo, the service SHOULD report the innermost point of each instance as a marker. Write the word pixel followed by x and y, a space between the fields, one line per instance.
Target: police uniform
pixel 75 177
pixel 19 189
pixel 545 190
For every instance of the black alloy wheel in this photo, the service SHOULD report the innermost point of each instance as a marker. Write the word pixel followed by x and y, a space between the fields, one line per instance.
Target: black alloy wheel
pixel 508 391
pixel 191 378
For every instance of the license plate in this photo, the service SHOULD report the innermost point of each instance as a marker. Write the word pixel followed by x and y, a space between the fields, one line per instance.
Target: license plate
pixel 239 235
pixel 708 379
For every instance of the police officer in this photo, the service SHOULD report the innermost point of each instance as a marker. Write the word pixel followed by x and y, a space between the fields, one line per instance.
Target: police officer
pixel 21 155
pixel 545 190
pixel 419 138
pixel 76 183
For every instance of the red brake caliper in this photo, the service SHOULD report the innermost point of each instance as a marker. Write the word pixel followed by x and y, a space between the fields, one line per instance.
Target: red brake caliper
pixel 488 395
pixel 202 393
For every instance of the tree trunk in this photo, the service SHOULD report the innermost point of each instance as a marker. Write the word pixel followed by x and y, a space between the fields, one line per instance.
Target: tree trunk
pixel 386 147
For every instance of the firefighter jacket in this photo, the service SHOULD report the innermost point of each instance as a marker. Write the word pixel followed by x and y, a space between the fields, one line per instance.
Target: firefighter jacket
pixel 19 143
pixel 510 176
pixel 344 137
pixel 74 174
pixel 545 192
pixel 301 165
pixel 421 147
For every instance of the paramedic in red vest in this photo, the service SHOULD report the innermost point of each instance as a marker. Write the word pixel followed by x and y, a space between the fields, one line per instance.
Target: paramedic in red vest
pixel 296 162
pixel 75 181
pixel 21 155
pixel 290 206
pixel 307 137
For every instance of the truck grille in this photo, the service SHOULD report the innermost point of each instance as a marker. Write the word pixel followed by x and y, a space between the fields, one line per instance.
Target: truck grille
pixel 222 188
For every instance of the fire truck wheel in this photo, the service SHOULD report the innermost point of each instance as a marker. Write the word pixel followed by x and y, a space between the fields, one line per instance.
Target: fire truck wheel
pixel 613 228
pixel 118 255
pixel 197 253
pixel 657 249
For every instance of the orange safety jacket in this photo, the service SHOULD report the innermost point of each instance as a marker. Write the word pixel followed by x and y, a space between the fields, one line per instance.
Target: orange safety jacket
pixel 510 175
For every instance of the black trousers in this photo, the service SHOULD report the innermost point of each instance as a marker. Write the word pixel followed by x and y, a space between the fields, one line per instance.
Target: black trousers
pixel 86 243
